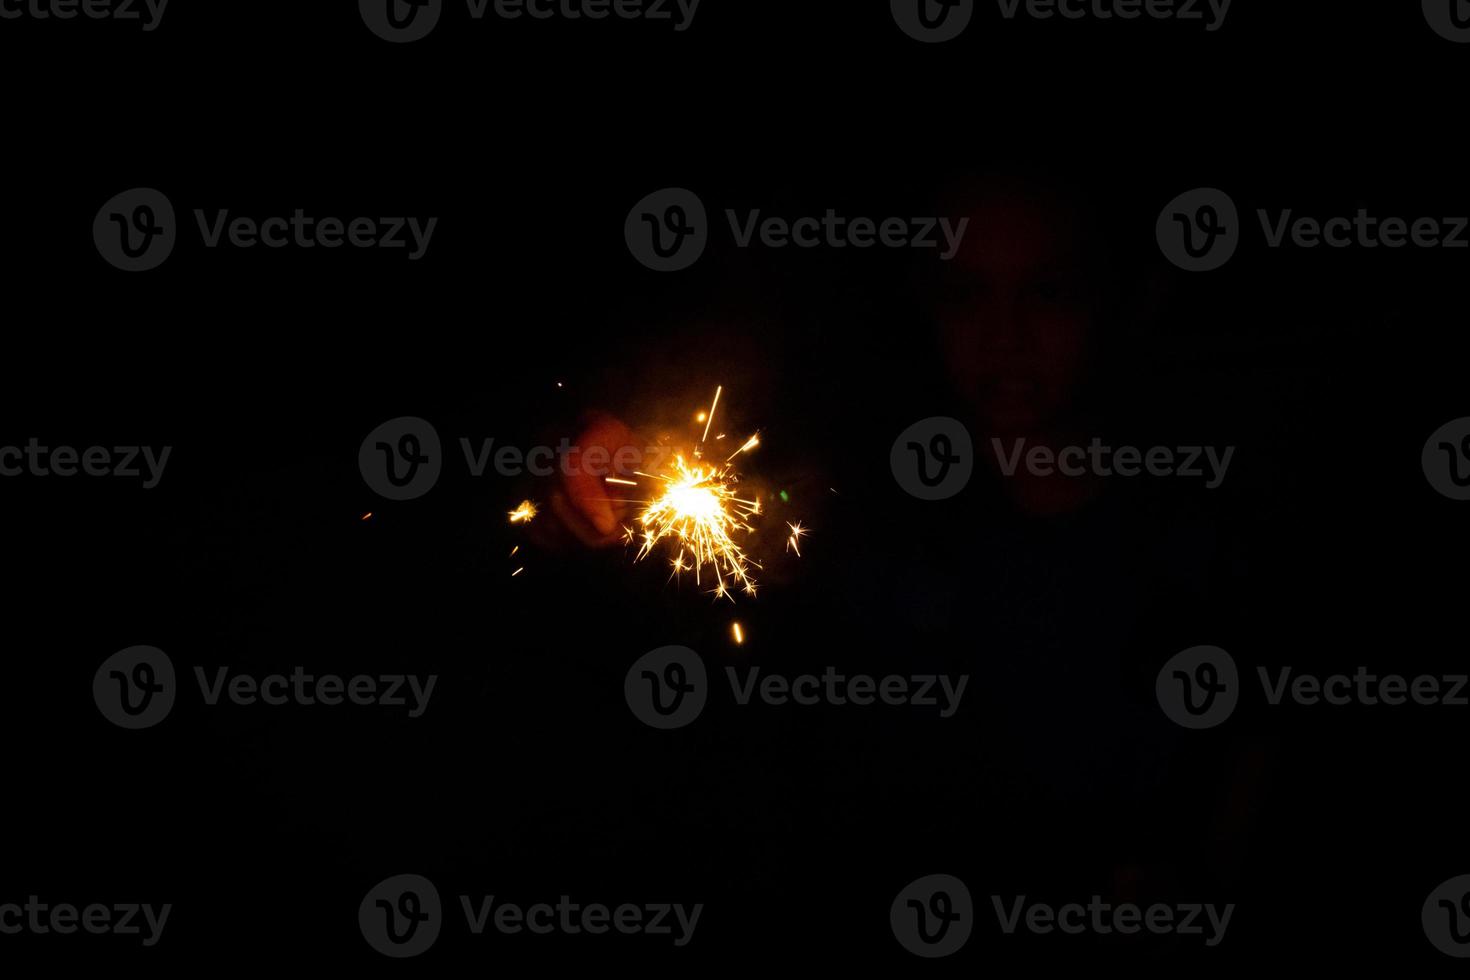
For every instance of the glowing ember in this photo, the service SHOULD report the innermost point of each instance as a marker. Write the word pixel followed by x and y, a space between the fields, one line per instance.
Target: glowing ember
pixel 750 444
pixel 738 633
pixel 523 514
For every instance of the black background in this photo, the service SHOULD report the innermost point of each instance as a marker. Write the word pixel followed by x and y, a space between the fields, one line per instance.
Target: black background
pixel 528 778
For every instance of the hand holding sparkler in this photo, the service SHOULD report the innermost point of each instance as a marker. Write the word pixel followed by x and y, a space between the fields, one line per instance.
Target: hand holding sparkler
pixel 682 498
pixel 605 448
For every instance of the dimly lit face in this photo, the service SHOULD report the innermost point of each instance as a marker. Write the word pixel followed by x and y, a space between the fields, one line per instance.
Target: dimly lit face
pixel 1017 310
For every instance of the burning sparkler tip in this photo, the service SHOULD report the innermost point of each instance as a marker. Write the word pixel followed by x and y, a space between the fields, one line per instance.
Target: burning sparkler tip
pixel 699 508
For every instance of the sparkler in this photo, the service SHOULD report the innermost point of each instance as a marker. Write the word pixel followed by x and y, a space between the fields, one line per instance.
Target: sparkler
pixel 699 512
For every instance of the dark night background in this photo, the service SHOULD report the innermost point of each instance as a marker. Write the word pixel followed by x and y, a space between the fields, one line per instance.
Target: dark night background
pixel 528 778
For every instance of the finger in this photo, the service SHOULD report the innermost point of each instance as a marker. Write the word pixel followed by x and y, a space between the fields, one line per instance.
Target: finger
pixel 604 447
